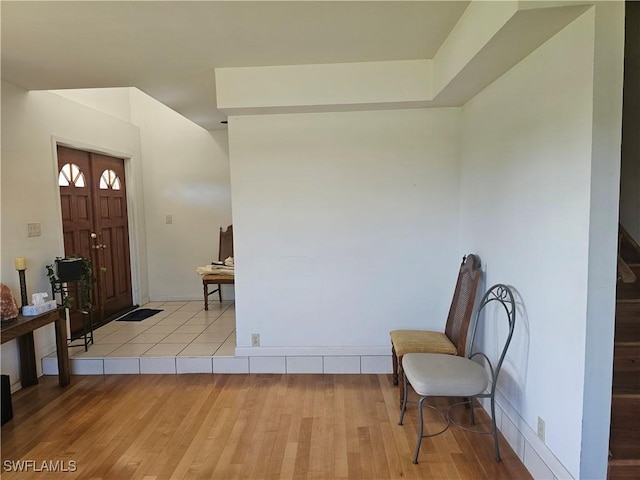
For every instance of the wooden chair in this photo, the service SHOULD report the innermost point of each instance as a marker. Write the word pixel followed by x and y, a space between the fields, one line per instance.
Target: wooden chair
pixel 438 375
pixel 454 338
pixel 225 250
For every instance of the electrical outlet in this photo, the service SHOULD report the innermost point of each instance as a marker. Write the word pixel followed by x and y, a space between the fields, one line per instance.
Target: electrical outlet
pixel 255 339
pixel 541 428
pixel 169 219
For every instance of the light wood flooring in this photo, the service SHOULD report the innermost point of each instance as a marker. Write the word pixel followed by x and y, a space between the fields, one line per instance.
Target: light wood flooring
pixel 255 426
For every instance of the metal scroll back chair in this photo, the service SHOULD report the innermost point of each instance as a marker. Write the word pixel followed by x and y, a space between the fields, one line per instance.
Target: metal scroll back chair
pixel 225 250
pixel 453 340
pixel 438 375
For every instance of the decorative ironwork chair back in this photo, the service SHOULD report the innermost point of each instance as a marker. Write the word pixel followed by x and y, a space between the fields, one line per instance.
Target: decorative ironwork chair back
pixel 502 296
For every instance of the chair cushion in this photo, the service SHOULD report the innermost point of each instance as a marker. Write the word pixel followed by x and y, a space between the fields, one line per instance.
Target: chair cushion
pixel 437 375
pixel 213 278
pixel 421 341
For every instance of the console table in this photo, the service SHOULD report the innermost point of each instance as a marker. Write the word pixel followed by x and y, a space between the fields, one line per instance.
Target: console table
pixel 22 329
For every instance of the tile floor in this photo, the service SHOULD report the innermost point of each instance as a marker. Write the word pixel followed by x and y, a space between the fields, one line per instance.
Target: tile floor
pixel 182 329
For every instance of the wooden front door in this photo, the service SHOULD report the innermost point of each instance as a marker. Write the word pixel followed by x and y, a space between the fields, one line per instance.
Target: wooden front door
pixel 94 223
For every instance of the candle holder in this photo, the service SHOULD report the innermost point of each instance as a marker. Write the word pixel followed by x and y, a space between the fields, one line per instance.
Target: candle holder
pixel 21 267
pixel 23 288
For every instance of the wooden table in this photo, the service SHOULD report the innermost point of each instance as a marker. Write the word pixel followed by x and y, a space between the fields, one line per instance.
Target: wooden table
pixel 22 329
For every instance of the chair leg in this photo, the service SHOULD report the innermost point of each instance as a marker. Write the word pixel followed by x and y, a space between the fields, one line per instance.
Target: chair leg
pixel 404 403
pixel 400 378
pixel 420 431
pixel 220 293
pixel 394 362
pixel 495 429
pixel 473 414
pixel 206 296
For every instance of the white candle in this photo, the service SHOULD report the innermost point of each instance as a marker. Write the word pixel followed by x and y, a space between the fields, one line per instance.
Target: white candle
pixel 21 263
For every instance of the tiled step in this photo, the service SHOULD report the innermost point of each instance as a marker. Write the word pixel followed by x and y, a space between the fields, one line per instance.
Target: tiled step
pixel 327 364
pixel 624 442
pixel 148 365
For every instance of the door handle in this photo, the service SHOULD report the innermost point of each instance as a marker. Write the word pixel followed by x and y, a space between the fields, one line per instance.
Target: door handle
pixel 97 246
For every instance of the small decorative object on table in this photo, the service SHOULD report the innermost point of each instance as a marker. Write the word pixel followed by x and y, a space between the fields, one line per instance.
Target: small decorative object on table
pixel 9 308
pixel 39 305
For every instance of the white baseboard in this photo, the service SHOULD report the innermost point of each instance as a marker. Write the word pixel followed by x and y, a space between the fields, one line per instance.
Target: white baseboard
pixel 532 452
pixel 314 351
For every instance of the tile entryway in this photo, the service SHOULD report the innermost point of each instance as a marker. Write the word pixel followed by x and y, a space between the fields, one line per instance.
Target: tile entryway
pixel 182 338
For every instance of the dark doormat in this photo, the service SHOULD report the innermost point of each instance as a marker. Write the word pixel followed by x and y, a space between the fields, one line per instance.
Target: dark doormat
pixel 138 315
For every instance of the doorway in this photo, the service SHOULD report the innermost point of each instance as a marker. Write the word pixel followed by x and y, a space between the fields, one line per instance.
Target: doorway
pixel 95 225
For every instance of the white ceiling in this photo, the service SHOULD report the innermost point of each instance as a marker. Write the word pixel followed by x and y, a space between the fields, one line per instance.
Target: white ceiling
pixel 170 49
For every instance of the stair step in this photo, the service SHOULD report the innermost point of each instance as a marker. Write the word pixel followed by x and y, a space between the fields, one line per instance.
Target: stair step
pixel 625 382
pixel 625 461
pixel 628 247
pixel 627 322
pixel 623 471
pixel 628 308
pixel 626 368
pixel 624 442
pixel 625 272
pixel 626 356
pixel 631 301
pixel 629 253
pixel 629 290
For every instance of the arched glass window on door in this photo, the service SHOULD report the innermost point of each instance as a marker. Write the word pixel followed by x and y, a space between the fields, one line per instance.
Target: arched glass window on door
pixel 70 174
pixel 109 180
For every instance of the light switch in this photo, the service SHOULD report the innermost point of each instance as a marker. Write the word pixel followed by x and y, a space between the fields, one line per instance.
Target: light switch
pixel 33 229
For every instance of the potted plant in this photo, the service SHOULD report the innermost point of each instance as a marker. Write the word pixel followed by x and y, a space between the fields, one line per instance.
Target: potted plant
pixel 75 268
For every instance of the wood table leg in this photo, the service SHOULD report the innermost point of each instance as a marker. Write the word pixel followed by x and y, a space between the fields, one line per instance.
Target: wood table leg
pixel 63 352
pixel 28 371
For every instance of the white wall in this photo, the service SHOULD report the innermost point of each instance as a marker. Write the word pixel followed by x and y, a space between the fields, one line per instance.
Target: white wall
pixel 346 226
pixel 526 193
pixel 186 175
pixel 31 123
pixel 112 101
